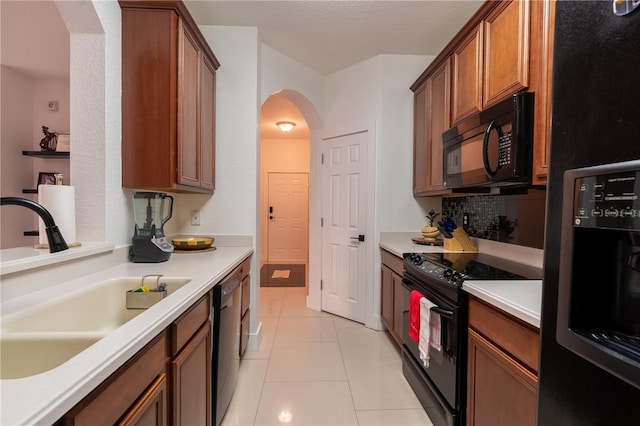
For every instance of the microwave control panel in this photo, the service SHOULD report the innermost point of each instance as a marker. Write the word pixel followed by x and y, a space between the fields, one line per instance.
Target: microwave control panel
pixel 608 201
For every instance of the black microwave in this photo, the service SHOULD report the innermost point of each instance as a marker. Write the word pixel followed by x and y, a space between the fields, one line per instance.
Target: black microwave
pixel 491 148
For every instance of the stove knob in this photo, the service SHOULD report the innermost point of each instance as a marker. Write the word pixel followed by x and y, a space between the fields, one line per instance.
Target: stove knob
pixel 415 258
pixel 457 278
pixel 447 273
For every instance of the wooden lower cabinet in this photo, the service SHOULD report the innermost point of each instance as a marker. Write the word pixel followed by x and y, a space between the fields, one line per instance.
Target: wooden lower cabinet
pixel 170 378
pixel 502 370
pixel 191 380
pixel 501 390
pixel 392 295
pixel 112 400
pixel 151 409
pixel 245 315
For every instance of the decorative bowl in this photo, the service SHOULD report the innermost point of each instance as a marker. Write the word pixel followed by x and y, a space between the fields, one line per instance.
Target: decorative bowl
pixel 430 231
pixel 192 243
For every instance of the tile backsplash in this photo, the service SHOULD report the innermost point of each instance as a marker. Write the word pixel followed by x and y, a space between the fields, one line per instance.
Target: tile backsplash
pixel 516 219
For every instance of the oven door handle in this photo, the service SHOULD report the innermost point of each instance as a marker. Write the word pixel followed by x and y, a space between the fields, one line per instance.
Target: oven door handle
pixel 443 312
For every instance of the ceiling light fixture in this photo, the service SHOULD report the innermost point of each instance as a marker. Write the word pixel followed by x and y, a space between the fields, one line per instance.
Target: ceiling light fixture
pixel 285 126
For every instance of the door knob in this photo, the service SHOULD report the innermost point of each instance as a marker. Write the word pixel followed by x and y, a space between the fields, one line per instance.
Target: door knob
pixel 359 238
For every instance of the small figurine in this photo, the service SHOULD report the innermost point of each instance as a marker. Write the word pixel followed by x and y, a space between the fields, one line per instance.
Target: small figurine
pixel 50 140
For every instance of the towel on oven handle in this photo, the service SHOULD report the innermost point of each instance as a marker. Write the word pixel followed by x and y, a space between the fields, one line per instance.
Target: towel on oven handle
pixel 414 315
pixel 429 334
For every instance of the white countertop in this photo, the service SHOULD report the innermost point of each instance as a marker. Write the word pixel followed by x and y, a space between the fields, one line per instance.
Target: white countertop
pixel 522 298
pixel 45 397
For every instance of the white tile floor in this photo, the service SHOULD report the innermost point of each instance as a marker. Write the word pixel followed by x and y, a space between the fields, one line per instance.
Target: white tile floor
pixel 313 368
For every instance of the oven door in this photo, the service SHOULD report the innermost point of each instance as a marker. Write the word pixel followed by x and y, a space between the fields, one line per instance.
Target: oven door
pixel 443 370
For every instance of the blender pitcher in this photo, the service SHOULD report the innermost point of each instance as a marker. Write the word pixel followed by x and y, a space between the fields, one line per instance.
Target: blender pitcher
pixel 150 211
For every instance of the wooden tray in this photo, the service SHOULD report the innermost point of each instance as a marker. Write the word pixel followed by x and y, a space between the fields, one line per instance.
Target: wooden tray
pixel 427 241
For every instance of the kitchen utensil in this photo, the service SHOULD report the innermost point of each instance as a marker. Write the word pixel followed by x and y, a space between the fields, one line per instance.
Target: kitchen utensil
pixel 192 243
pixel 151 211
pixel 444 230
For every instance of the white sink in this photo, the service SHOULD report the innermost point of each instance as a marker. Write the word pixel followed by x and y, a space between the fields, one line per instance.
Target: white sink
pixel 41 338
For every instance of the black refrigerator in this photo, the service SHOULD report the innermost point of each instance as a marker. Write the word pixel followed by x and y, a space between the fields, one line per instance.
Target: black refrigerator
pixel 590 326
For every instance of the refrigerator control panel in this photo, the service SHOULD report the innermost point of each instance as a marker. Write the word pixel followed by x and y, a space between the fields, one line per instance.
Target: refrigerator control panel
pixel 609 200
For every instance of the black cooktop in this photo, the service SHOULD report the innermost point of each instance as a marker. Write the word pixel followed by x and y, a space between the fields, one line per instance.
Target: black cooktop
pixel 480 266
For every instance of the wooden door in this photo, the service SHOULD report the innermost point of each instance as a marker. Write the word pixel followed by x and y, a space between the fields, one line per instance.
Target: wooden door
pixel 386 297
pixel 500 390
pixel 439 120
pixel 398 306
pixel 420 157
pixel 467 76
pixel 344 219
pixel 288 230
pixel 191 380
pixel 188 88
pixel 151 409
pixel 506 50
pixel 207 125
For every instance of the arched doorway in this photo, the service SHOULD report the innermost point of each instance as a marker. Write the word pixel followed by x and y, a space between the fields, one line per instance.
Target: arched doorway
pixel 286 162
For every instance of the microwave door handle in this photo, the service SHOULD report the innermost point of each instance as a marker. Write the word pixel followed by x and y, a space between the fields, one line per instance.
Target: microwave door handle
pixel 485 149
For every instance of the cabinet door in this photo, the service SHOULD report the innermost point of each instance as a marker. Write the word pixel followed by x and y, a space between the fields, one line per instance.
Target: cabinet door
pixel 420 158
pixel 191 380
pixel 188 89
pixel 439 120
pixel 500 390
pixel 207 125
pixel 112 400
pixel 467 63
pixel 398 306
pixel 386 309
pixel 151 410
pixel 506 50
pixel 541 60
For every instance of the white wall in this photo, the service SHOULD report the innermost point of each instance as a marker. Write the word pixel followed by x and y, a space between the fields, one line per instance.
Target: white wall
pixel 280 72
pixel 24 111
pixel 375 95
pixel 16 135
pixel 103 211
pixel 397 209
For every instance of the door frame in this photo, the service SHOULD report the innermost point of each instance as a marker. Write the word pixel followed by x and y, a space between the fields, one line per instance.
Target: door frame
pixel 314 298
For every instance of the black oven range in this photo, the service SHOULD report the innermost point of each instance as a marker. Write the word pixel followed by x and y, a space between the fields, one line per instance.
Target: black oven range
pixel 435 362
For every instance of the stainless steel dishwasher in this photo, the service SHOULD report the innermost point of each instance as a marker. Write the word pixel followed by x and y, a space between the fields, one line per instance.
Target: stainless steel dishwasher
pixel 225 358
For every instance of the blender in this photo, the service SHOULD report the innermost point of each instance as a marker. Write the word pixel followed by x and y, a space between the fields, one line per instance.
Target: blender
pixel 148 244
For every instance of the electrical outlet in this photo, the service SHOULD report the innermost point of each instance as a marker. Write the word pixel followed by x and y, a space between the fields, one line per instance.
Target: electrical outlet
pixel 195 217
pixel 465 220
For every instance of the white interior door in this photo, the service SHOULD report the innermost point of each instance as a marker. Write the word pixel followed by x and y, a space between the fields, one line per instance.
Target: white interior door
pixel 344 220
pixel 288 204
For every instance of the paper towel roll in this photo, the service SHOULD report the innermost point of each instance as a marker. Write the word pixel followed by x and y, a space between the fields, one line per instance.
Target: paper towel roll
pixel 60 201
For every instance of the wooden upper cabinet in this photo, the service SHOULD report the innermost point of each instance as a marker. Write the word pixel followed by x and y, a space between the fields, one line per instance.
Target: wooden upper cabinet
pixel 168 99
pixel 492 61
pixel 506 51
pixel 467 75
pixel 432 116
pixel 506 47
pixel 542 25
pixel 188 90
pixel 208 125
pixel 420 160
pixel 439 120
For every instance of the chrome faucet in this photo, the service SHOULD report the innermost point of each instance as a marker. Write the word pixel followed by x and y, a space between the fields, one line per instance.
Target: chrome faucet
pixel 56 241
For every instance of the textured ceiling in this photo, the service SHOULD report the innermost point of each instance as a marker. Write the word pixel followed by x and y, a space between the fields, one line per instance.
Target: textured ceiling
pixel 328 36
